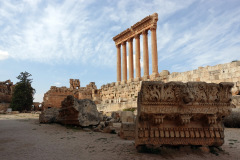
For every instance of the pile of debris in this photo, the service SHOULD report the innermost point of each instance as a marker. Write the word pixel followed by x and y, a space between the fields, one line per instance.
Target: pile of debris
pixel 84 114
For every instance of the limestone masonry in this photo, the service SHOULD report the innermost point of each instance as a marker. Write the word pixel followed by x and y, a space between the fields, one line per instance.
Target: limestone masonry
pixel 177 113
pixel 116 96
pixel 6 90
pixel 124 93
pixel 56 95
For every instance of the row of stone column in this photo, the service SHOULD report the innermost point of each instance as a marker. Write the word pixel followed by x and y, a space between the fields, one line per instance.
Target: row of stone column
pixel 137 57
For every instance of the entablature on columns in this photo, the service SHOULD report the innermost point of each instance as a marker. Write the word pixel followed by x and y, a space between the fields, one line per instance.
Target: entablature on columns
pixel 137 29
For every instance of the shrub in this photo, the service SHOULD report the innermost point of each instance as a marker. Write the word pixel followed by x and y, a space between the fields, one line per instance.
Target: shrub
pixel 129 109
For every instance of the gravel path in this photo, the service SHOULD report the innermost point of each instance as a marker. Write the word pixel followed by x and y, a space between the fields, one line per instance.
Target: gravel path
pixel 23 138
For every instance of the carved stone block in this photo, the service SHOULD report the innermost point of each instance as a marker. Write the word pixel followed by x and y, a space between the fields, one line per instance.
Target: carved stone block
pixel 177 113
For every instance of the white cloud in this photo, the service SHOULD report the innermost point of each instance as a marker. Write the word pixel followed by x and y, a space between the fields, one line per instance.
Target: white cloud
pixel 3 55
pixel 81 32
pixel 57 84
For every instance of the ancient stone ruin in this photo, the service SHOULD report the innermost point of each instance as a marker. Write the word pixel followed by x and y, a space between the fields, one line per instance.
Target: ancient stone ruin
pixel 177 113
pixel 82 112
pixel 140 28
pixel 56 95
pixel 123 93
pixel 6 90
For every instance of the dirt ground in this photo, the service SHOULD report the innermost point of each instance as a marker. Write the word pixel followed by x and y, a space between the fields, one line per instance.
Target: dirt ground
pixel 23 138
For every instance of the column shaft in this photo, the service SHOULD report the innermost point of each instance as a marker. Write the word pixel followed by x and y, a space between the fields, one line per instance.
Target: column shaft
pixel 145 55
pixel 137 56
pixel 130 58
pixel 154 52
pixel 124 61
pixel 118 63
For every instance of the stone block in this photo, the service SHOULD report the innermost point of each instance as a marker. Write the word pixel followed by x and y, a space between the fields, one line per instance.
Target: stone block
pixel 78 112
pixel 127 116
pixel 182 113
pixel 4 107
pixel 127 131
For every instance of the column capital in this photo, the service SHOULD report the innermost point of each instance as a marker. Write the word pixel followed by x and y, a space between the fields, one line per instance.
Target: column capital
pixel 123 43
pixel 145 32
pixel 137 36
pixel 118 45
pixel 154 27
pixel 130 39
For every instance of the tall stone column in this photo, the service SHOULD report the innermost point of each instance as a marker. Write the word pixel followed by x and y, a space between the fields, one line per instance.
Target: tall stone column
pixel 118 63
pixel 154 53
pixel 145 55
pixel 130 59
pixel 137 57
pixel 124 61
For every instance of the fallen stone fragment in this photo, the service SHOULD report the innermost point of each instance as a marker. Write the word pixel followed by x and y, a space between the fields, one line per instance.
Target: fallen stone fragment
pixel 49 115
pixel 79 112
pixel 177 113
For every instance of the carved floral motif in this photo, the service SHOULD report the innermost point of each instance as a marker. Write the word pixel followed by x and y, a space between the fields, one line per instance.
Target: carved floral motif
pixel 177 113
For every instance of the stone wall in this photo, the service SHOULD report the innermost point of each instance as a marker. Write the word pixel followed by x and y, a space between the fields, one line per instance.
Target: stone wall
pixel 118 96
pixel 114 97
pixel 55 96
pixel 6 90
pixel 4 107
pixel 228 72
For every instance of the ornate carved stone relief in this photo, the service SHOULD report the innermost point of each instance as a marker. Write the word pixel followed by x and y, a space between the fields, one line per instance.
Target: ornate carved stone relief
pixel 177 113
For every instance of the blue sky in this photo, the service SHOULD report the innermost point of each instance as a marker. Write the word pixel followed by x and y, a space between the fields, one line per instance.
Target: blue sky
pixel 59 40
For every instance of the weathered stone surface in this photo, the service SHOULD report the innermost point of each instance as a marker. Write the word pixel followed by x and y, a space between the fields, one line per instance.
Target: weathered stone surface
pixel 120 96
pixel 127 130
pixel 164 73
pixel 4 107
pixel 79 112
pixel 56 95
pixel 177 113
pixel 50 115
pixel 127 116
pixel 236 101
pixel 6 90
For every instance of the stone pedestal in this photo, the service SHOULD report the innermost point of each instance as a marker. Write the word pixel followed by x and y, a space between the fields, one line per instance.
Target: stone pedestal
pixel 137 79
pixel 123 82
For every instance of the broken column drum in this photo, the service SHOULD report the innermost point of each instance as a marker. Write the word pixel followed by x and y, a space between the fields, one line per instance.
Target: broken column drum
pixel 177 113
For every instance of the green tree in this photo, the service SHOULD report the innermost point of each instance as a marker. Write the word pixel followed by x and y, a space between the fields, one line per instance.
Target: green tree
pixel 23 92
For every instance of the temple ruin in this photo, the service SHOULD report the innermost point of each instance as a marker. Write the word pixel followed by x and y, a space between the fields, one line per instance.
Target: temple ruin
pixel 55 96
pixel 6 91
pixel 177 113
pixel 123 94
pixel 126 37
